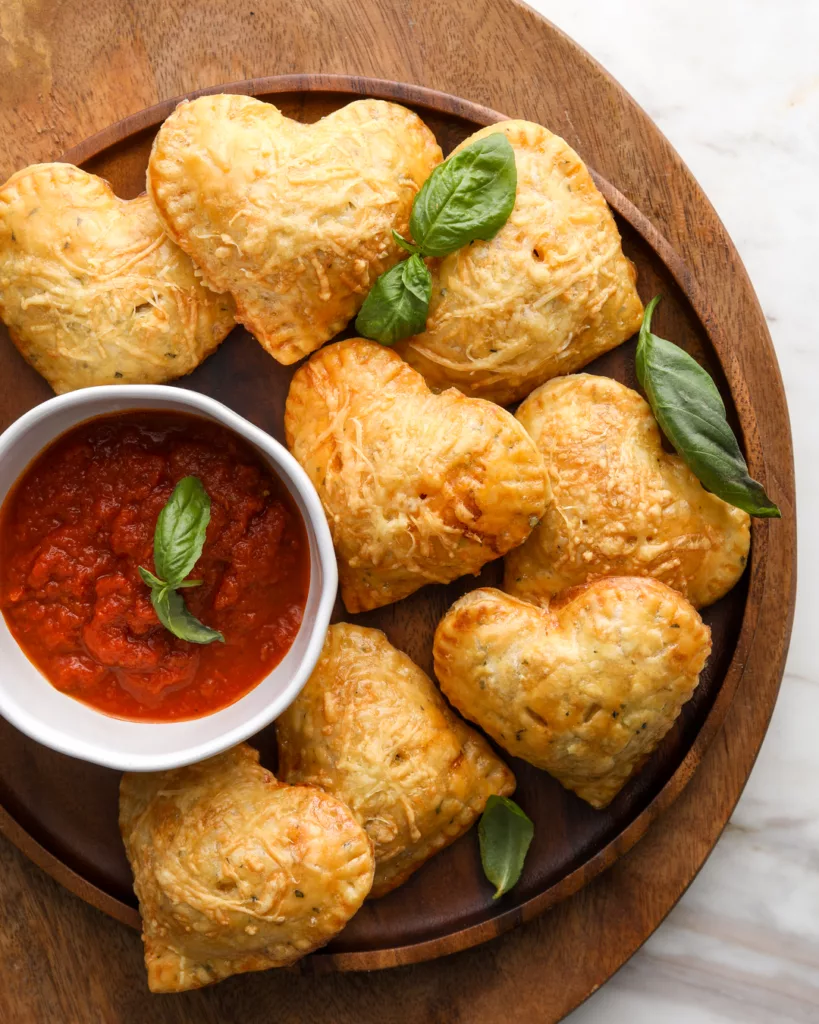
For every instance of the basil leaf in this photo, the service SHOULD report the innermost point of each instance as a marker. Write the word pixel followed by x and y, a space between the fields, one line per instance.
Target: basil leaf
pixel 150 579
pixel 505 833
pixel 180 531
pixel 468 196
pixel 400 240
pixel 153 582
pixel 178 541
pixel 173 613
pixel 398 303
pixel 688 407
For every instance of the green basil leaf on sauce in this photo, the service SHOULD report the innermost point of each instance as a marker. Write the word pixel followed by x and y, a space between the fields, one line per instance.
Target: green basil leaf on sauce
pixel 467 197
pixel 149 578
pixel 178 541
pixel 504 833
pixel 690 411
pixel 180 531
pixel 398 303
pixel 174 615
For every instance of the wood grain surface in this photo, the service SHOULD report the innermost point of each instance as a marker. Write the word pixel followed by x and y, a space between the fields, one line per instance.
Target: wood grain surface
pixel 68 70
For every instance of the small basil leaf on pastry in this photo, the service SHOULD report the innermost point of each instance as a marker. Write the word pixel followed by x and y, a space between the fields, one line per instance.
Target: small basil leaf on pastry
pixel 691 413
pixel 551 291
pixel 585 687
pixel 236 871
pixel 294 220
pixel 469 196
pixel 505 834
pixel 92 289
pixel 407 246
pixel 398 303
pixel 417 487
pixel 372 728
pixel 618 503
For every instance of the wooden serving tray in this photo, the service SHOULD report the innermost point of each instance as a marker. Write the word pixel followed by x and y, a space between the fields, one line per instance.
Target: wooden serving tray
pixel 63 813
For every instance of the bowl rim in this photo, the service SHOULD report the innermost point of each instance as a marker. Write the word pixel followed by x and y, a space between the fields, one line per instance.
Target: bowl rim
pixel 294 478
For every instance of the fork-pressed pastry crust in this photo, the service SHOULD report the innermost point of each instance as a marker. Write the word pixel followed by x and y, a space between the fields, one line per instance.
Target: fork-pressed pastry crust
pixel 418 488
pixel 92 289
pixel 372 728
pixel 549 293
pixel 294 220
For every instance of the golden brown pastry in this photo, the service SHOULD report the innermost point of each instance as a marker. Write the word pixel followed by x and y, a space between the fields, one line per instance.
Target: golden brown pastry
pixel 586 688
pixel 294 220
pixel 549 293
pixel 418 488
pixel 236 871
pixel 620 505
pixel 93 291
pixel 371 728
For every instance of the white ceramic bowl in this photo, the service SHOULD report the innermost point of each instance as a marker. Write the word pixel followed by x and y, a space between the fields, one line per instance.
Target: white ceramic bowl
pixel 35 707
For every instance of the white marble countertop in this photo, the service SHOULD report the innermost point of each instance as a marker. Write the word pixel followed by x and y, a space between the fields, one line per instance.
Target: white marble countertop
pixel 734 85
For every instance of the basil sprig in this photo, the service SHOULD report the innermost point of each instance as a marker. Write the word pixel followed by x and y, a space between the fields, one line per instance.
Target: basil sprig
pixel 468 197
pixel 690 411
pixel 178 541
pixel 504 833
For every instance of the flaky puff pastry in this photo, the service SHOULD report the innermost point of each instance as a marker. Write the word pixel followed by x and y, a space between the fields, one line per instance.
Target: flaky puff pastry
pixel 294 220
pixel 585 688
pixel 236 871
pixel 619 504
pixel 418 488
pixel 91 288
pixel 549 293
pixel 371 728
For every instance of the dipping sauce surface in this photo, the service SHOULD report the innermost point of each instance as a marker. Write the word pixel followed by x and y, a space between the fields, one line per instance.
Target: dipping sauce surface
pixel 80 521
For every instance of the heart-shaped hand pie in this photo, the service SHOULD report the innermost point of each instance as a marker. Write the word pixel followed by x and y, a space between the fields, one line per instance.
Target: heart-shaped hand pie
pixel 236 871
pixel 91 288
pixel 586 688
pixel 620 505
pixel 549 293
pixel 294 220
pixel 371 728
pixel 418 488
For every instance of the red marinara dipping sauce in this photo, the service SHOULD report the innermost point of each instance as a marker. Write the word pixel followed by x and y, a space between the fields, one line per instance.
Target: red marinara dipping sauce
pixel 80 521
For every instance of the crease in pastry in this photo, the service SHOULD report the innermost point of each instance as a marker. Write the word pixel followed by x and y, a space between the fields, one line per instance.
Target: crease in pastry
pixel 417 488
pixel 92 289
pixel 294 220
pixel 619 504
pixel 585 688
pixel 371 728
pixel 236 871
pixel 549 293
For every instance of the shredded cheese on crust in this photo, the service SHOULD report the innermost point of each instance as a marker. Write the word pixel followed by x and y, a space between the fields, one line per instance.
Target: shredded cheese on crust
pixel 549 293
pixel 91 288
pixel 417 487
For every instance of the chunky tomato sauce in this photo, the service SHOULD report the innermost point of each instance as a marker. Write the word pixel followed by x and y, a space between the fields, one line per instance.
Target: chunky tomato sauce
pixel 79 523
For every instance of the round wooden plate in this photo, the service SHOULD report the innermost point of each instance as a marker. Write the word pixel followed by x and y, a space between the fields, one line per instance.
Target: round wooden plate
pixel 63 813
